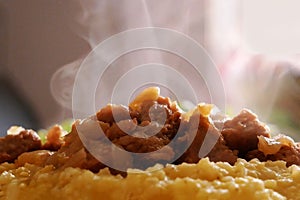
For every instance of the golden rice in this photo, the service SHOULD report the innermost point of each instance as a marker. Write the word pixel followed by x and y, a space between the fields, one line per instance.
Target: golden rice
pixel 204 180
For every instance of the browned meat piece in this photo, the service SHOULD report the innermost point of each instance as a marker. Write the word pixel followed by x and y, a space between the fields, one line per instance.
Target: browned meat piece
pixel 200 129
pixel 153 110
pixel 289 154
pixel 37 157
pixel 280 147
pixel 73 154
pixel 113 113
pixel 208 142
pixel 144 139
pixel 154 125
pixel 222 153
pixel 11 146
pixel 241 132
pixel 144 133
pixel 54 139
pixel 114 132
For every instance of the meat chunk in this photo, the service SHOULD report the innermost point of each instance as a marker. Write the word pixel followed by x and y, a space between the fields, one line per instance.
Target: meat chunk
pixel 208 142
pixel 152 125
pixel 11 146
pixel 54 138
pixel 280 147
pixel 144 139
pixel 37 157
pixel 113 113
pixel 291 155
pixel 221 153
pixel 240 133
pixel 196 129
pixel 73 154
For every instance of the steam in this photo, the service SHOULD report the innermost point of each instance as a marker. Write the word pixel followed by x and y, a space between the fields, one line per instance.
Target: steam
pixel 255 82
pixel 96 21
pixel 62 83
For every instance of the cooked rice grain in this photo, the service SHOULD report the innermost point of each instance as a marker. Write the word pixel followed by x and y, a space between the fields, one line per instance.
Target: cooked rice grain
pixel 205 180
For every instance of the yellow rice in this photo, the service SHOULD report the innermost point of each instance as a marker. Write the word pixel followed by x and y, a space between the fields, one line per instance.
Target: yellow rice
pixel 204 180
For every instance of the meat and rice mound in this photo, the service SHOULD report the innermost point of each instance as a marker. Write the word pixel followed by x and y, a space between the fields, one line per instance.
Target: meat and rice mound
pixel 245 162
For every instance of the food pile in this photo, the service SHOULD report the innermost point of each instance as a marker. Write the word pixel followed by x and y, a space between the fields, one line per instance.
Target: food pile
pixel 245 162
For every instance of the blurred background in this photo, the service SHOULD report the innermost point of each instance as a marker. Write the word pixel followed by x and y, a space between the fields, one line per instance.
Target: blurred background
pixel 255 44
